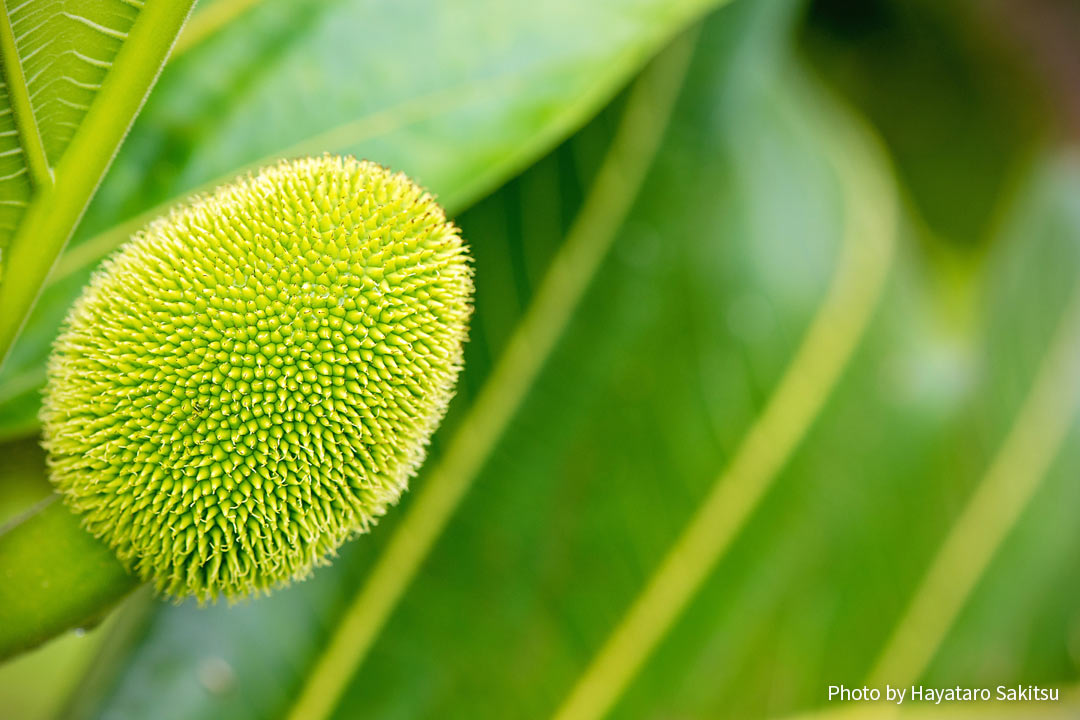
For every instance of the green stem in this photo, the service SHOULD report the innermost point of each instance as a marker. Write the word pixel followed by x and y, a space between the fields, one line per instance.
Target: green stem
pixel 606 206
pixel 42 592
pixel 55 211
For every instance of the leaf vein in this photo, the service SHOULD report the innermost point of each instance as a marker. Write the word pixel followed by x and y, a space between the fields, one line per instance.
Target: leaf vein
pixel 104 30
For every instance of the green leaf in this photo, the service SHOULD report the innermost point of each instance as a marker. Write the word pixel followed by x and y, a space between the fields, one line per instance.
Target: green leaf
pixel 74 77
pixel 669 361
pixel 436 90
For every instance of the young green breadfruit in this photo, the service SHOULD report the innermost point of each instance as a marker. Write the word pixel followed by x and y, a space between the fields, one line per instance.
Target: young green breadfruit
pixel 254 378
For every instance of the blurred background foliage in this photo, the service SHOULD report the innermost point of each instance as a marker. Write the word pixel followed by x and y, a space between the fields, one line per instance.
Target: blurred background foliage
pixel 690 322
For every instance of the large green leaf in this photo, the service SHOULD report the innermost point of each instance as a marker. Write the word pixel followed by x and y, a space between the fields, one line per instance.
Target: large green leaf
pixel 672 357
pixel 74 77
pixel 460 96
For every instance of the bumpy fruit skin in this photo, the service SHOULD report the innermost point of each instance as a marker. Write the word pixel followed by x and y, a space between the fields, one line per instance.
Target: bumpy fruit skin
pixel 254 378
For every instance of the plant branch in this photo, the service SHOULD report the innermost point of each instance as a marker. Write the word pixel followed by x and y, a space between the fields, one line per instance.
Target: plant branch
pixel 41 592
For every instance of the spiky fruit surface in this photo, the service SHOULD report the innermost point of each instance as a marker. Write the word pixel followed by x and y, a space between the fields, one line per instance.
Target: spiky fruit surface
pixel 254 378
